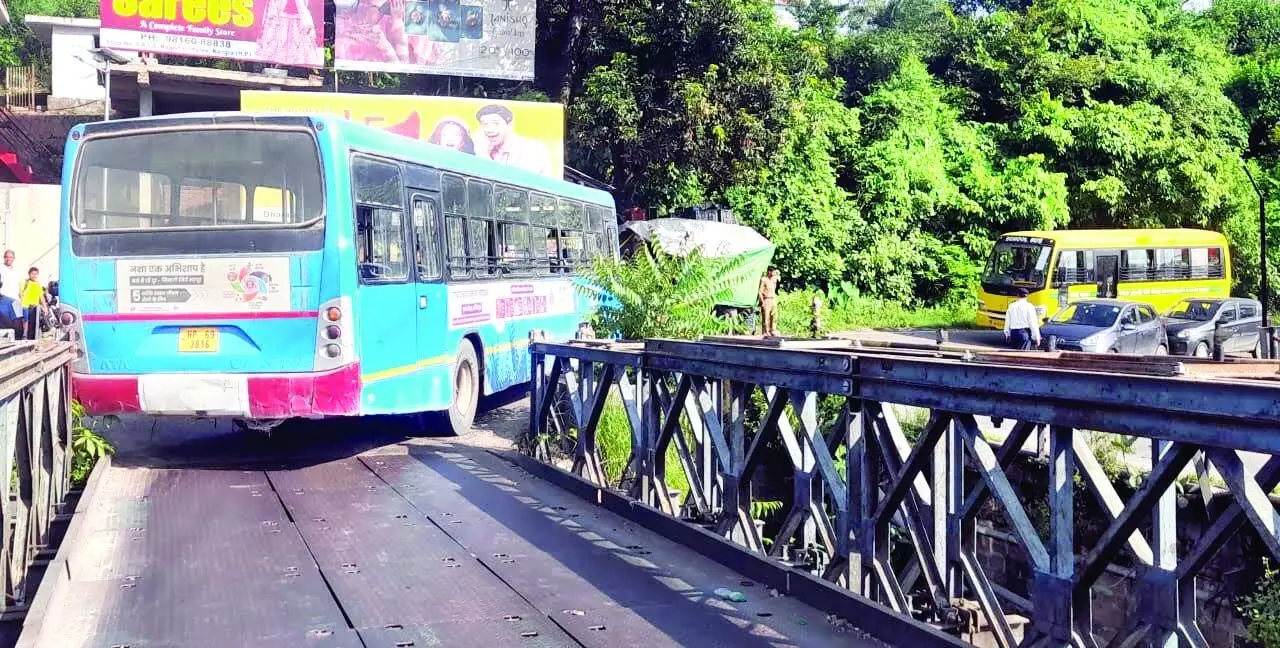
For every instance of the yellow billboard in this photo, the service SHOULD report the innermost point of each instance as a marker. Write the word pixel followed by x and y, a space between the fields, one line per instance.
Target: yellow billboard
pixel 524 134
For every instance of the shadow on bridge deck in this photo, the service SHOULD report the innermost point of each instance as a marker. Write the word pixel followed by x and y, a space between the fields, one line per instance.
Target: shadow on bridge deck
pixel 337 535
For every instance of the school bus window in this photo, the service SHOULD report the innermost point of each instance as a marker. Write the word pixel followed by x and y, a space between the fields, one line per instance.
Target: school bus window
pixel 1215 262
pixel 1136 265
pixel 1074 266
pixel 1173 263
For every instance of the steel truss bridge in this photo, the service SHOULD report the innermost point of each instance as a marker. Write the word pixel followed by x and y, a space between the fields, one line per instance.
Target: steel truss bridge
pixel 353 539
pixel 860 487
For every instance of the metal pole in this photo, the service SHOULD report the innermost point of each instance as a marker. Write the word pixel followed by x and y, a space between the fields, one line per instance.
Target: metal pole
pixel 106 105
pixel 1264 284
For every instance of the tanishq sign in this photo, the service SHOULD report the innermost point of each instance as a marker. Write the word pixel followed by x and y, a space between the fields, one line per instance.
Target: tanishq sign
pixel 284 32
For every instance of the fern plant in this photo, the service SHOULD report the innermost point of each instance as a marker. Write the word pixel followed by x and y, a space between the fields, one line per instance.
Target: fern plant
pixel 87 443
pixel 658 295
pixel 1261 609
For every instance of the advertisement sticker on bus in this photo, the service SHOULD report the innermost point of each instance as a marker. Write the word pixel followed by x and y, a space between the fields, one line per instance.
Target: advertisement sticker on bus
pixel 202 286
pixel 496 303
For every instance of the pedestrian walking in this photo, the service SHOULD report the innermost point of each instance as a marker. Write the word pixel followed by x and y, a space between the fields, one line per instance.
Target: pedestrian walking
pixel 1022 323
pixel 10 300
pixel 33 303
pixel 769 302
pixel 815 317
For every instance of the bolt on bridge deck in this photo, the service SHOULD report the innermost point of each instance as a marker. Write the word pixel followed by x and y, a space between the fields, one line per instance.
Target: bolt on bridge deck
pixel 443 546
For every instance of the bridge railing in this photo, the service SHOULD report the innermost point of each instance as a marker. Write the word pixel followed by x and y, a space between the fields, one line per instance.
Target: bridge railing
pixel 887 516
pixel 36 456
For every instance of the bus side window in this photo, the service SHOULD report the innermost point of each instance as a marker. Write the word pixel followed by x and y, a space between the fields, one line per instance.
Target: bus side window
pixel 511 208
pixel 1137 265
pixel 611 232
pixel 380 244
pixel 544 242
pixel 481 255
pixel 1074 267
pixel 454 197
pixel 381 235
pixel 1173 263
pixel 1215 263
pixel 426 240
pixel 595 243
pixel 572 224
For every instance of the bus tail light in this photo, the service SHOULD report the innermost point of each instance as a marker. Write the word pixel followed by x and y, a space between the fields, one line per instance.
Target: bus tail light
pixel 335 344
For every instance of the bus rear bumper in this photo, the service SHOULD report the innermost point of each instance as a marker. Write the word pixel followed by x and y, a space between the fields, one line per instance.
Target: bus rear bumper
pixel 257 396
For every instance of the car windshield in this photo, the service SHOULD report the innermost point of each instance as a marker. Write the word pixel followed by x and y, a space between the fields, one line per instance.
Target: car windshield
pixel 1087 314
pixel 1017 263
pixel 1197 310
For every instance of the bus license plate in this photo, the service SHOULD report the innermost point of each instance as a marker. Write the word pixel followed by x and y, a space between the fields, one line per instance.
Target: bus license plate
pixel 198 340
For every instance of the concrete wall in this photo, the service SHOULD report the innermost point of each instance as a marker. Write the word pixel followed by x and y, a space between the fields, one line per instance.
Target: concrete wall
pixel 29 226
pixel 1117 595
pixel 74 75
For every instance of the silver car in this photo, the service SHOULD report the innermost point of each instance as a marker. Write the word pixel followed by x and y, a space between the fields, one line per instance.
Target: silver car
pixel 1107 326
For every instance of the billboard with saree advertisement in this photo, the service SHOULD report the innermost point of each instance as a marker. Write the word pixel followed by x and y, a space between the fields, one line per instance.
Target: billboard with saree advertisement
pixel 473 38
pixel 284 32
pixel 524 134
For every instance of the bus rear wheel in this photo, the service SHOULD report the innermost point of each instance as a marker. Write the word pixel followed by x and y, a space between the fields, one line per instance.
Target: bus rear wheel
pixel 466 389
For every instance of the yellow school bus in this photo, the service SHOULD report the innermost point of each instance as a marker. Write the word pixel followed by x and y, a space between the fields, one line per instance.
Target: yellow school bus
pixel 1153 266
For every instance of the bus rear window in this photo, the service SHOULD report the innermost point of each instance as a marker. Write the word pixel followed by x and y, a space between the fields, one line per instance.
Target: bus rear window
pixel 198 179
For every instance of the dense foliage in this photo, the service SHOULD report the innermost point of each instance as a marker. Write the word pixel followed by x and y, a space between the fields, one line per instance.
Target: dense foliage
pixel 658 295
pixel 882 146
pixel 1261 610
pixel 884 143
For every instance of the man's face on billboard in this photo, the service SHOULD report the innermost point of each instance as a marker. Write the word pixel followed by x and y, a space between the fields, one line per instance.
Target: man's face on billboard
pixel 495 129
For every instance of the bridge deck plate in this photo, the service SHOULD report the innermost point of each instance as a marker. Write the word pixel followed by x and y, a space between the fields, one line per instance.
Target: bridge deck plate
pixel 439 547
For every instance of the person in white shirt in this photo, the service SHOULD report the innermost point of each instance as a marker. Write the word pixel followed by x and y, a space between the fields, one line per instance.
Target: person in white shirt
pixel 10 282
pixel 1022 323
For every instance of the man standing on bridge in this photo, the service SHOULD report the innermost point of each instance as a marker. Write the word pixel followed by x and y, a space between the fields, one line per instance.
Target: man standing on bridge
pixel 1022 323
pixel 769 302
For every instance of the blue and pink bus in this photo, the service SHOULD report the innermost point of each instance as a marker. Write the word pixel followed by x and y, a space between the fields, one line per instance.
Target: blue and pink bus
pixel 271 267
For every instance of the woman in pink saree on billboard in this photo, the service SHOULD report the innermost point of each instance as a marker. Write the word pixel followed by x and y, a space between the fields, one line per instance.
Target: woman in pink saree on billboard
pixel 451 132
pixel 373 31
pixel 288 35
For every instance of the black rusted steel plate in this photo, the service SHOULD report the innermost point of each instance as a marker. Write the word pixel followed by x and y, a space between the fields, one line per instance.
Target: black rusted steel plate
pixel 513 631
pixel 649 627
pixel 386 563
pixel 191 558
pixel 422 593
pixel 204 610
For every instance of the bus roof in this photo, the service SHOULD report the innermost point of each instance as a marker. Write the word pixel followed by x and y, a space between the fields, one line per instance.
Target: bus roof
pixel 1119 238
pixel 380 142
